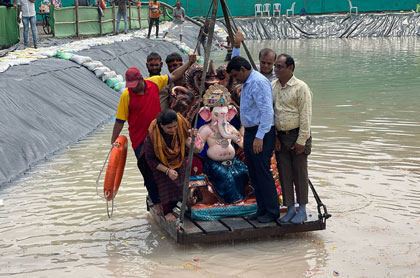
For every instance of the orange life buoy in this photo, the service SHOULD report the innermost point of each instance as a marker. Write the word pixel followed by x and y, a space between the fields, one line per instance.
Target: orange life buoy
pixel 115 169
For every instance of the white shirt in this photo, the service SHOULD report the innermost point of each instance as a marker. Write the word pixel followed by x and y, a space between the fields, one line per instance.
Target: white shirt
pixel 27 8
pixel 293 107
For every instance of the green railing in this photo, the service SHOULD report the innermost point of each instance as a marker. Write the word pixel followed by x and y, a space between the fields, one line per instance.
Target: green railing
pixel 86 20
pixel 246 8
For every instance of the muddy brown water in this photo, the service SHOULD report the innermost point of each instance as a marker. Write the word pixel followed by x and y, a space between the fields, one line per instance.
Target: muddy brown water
pixel 365 165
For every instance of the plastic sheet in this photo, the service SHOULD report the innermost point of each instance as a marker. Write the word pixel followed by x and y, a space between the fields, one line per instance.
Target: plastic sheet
pixel 46 106
pixel 335 26
pixel 52 103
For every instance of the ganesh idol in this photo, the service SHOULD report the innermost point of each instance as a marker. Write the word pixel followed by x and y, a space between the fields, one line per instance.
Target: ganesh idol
pixel 227 173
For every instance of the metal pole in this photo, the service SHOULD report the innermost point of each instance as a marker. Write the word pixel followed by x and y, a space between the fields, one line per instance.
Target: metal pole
pixel 76 7
pixel 202 86
pixel 129 15
pixel 100 23
pixel 113 18
pixel 139 15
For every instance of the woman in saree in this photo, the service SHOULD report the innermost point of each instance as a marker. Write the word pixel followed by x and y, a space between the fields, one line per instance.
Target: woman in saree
pixel 165 150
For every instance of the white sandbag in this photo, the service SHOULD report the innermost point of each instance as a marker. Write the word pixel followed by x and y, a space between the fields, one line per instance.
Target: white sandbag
pixel 120 86
pixel 92 65
pixel 108 74
pixel 100 71
pixel 120 77
pixel 80 59
pixel 4 66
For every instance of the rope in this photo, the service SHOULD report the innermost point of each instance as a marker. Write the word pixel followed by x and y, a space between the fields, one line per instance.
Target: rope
pixel 112 209
pixel 97 183
pixel 103 166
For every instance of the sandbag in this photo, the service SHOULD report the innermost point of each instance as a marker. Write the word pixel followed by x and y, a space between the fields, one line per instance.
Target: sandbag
pixel 111 82
pixel 80 59
pixel 63 55
pixel 100 71
pixel 119 86
pixel 108 74
pixel 92 65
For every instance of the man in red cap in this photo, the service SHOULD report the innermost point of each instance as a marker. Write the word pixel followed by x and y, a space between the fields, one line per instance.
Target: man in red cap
pixel 139 105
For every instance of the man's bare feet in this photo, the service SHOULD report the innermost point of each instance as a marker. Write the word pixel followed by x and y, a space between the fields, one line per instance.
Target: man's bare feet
pixel 170 217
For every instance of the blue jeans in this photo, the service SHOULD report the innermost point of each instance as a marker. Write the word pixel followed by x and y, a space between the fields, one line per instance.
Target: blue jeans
pixel 32 20
pixel 118 22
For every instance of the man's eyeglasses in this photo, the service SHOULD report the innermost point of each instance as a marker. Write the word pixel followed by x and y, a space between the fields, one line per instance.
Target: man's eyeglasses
pixel 278 66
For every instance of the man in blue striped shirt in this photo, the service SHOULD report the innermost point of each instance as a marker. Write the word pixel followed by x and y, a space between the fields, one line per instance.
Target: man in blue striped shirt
pixel 257 116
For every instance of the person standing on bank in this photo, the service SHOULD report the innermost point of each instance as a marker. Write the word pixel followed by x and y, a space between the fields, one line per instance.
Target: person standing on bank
pixel 257 116
pixel 202 36
pixel 179 17
pixel 154 14
pixel 28 17
pixel 292 114
pixel 122 12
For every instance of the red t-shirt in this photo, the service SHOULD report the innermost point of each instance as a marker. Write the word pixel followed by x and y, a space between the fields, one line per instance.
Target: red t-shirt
pixel 139 110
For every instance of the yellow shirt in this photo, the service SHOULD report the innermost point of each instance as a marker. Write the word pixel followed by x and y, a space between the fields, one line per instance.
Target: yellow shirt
pixel 293 107
pixel 122 111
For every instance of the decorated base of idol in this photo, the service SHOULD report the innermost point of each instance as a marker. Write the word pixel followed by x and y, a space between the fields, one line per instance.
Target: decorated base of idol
pixel 220 186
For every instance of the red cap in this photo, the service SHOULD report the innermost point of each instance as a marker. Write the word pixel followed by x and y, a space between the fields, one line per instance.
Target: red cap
pixel 132 76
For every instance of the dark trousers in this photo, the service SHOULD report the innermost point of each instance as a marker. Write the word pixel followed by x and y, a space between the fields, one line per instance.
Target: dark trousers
pixel 146 172
pixel 293 168
pixel 151 22
pixel 259 171
pixel 203 43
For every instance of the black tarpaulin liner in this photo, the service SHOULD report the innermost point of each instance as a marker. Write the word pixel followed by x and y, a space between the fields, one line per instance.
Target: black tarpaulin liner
pixel 52 103
pixel 330 26
pixel 46 106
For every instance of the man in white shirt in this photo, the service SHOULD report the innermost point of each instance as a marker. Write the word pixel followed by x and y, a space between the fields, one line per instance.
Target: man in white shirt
pixel 292 117
pixel 28 17
pixel 179 17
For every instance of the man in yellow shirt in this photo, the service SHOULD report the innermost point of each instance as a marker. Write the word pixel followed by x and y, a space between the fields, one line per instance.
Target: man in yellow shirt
pixel 292 117
pixel 139 105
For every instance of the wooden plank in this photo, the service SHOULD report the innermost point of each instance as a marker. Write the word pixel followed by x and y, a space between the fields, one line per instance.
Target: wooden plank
pixel 190 228
pixel 247 234
pixel 113 17
pixel 211 226
pixel 139 15
pixel 168 227
pixel 239 228
pixel 236 223
pixel 257 224
pixel 129 15
pixel 76 4
pixel 100 24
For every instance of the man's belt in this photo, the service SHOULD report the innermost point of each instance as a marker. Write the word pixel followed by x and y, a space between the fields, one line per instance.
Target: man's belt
pixel 296 130
pixel 252 128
